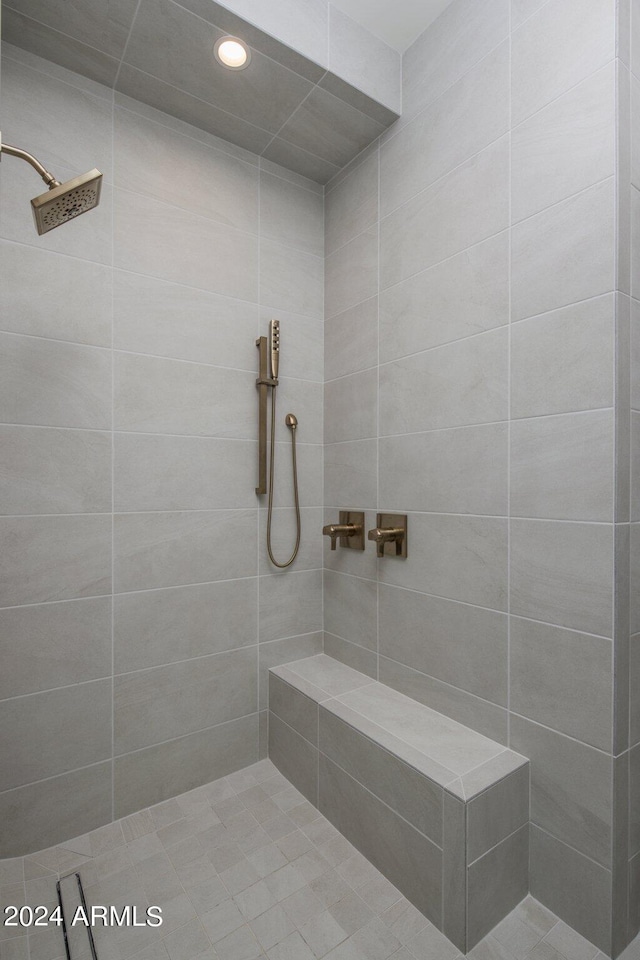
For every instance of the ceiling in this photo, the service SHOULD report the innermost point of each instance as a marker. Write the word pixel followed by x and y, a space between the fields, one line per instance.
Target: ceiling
pixel 397 22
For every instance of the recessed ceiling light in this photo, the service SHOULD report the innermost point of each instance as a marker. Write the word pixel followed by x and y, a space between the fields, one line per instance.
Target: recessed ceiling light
pixel 232 53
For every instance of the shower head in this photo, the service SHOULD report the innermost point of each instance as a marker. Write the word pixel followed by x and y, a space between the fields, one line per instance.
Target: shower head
pixel 64 201
pixel 274 334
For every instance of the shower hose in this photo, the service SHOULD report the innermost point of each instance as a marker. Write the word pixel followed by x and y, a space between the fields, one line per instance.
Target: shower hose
pixel 292 426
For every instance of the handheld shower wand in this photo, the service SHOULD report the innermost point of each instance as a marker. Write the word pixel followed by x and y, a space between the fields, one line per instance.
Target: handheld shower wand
pixel 264 382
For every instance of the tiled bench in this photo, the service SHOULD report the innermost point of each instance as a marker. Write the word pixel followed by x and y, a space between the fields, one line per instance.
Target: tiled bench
pixel 441 810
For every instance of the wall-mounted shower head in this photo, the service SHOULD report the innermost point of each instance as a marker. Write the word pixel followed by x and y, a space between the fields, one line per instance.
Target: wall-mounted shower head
pixel 64 201
pixel 274 336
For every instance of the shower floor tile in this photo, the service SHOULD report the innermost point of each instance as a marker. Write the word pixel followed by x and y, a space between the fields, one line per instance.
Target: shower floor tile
pixel 246 869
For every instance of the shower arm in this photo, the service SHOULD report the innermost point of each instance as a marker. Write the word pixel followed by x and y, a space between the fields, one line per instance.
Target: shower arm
pixel 48 178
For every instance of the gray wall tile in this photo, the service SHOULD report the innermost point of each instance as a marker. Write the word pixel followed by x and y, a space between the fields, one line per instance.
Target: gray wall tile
pixel 561 467
pixel 55 384
pixel 497 882
pixel 54 732
pixel 555 49
pixel 498 812
pixel 577 810
pixel 364 60
pixel 562 573
pixel 563 361
pixel 58 643
pixel 351 609
pixel 464 207
pixel 169 549
pixel 56 809
pixel 167 769
pixel 350 474
pixel 290 279
pixel 275 652
pixel 463 470
pixel 407 858
pixel 151 706
pixel 351 273
pixel 54 558
pixel 290 605
pixel 466 294
pixel 351 207
pixel 351 654
pixel 283 538
pixel 351 407
pixel 461 558
pixel 571 885
pixel 562 679
pixel 407 792
pixel 565 253
pixel 454 871
pixel 164 626
pixel 294 708
pixel 294 757
pixel 453 385
pixel 351 340
pixel 54 471
pixel 291 215
pixel 461 645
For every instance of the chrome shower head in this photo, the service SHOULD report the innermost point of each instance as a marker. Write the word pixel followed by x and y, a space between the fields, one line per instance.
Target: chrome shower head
pixel 63 201
pixel 66 201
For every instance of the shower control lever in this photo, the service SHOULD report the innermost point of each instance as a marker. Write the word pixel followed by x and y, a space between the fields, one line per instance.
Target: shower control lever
pixel 390 535
pixel 349 530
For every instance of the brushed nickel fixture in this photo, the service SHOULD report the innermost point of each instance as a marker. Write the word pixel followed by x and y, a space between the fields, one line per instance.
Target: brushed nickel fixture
pixel 390 535
pixel 349 530
pixel 64 201
pixel 270 358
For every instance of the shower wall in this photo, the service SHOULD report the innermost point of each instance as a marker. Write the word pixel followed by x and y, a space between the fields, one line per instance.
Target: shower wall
pixel 139 611
pixel 473 280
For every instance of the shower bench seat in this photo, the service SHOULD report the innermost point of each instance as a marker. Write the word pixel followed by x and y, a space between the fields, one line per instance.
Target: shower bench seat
pixel 439 809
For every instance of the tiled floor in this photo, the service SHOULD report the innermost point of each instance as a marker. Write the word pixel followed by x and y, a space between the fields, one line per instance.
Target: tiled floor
pixel 244 868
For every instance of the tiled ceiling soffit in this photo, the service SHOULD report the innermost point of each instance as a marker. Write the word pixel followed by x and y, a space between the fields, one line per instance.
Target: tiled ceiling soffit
pixel 284 107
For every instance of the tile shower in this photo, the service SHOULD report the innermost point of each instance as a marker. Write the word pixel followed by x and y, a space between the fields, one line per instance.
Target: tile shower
pixel 477 368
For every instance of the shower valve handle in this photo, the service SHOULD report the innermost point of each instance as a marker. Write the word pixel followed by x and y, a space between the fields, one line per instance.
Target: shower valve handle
pixel 335 530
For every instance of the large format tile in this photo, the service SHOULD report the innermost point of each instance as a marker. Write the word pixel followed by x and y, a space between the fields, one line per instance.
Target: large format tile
pixel 294 756
pixel 212 329
pixel 464 207
pixel 283 538
pixel 169 549
pixel 351 608
pixel 291 214
pixel 462 35
pixel 562 573
pixel 350 474
pixel 151 706
pixel 468 116
pixel 351 340
pixel 77 305
pixel 406 791
pixel 156 395
pixel 351 273
pixel 54 558
pixel 165 770
pixel 55 731
pixel 54 471
pixel 563 361
pixel 562 679
pixel 466 294
pixel 364 60
pixel 453 385
pixel 496 813
pixel 565 148
pixel 178 623
pixel 55 809
pixel 576 809
pixel 215 257
pixel 59 643
pixel 463 470
pixel 461 558
pixel 291 279
pixel 497 882
pixel 181 473
pixel 562 467
pixel 351 206
pixel 104 28
pixel 55 384
pixel 291 605
pixel 461 645
pixel 489 719
pixel 406 857
pixel 294 708
pixel 213 184
pixel 572 885
pixel 275 652
pixel 556 48
pixel 351 407
pixel 565 253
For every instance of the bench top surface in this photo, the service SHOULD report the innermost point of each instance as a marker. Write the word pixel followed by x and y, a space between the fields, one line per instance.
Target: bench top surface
pixel 457 757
